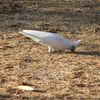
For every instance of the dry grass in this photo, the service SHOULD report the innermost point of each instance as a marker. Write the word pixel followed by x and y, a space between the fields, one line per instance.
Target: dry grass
pixel 61 75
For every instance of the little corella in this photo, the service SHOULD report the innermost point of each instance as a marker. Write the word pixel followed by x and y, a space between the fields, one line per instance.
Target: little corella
pixel 52 40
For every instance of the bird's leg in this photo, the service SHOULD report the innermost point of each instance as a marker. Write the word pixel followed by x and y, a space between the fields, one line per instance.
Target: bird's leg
pixel 50 50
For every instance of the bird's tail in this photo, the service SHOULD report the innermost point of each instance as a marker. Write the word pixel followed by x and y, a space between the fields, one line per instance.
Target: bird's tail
pixel 28 33
pixel 25 32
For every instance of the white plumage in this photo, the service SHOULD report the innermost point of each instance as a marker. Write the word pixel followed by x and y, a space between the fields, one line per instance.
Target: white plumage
pixel 52 40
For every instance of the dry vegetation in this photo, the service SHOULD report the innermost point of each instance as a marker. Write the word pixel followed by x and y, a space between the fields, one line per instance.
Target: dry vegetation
pixel 57 76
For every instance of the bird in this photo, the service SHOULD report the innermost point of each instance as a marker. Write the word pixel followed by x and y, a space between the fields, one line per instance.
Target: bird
pixel 52 40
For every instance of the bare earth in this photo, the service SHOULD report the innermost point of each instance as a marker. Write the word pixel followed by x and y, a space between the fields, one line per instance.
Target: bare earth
pixel 58 76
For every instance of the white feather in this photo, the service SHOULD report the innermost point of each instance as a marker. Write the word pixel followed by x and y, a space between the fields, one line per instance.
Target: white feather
pixel 54 41
pixel 23 87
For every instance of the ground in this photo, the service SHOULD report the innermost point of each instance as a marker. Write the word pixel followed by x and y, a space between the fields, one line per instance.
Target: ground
pixel 57 76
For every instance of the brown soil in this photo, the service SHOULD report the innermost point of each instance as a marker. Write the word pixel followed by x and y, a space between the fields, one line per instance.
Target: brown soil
pixel 58 76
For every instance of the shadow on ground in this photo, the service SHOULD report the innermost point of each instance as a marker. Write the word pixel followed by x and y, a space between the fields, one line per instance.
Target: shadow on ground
pixel 96 53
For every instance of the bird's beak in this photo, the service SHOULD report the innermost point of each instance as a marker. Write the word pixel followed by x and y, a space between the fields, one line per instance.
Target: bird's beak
pixel 72 48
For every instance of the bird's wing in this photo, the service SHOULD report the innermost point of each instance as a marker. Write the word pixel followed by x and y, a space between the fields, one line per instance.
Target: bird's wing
pixel 38 36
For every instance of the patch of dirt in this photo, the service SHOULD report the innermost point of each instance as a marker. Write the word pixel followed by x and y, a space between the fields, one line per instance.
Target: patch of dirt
pixel 62 75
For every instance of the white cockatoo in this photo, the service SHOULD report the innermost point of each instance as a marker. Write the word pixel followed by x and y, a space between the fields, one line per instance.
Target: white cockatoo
pixel 52 40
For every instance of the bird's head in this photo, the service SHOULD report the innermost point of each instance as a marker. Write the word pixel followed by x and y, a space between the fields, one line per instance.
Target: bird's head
pixel 75 45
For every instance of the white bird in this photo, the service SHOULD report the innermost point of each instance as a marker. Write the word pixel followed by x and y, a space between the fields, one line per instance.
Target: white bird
pixel 52 40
